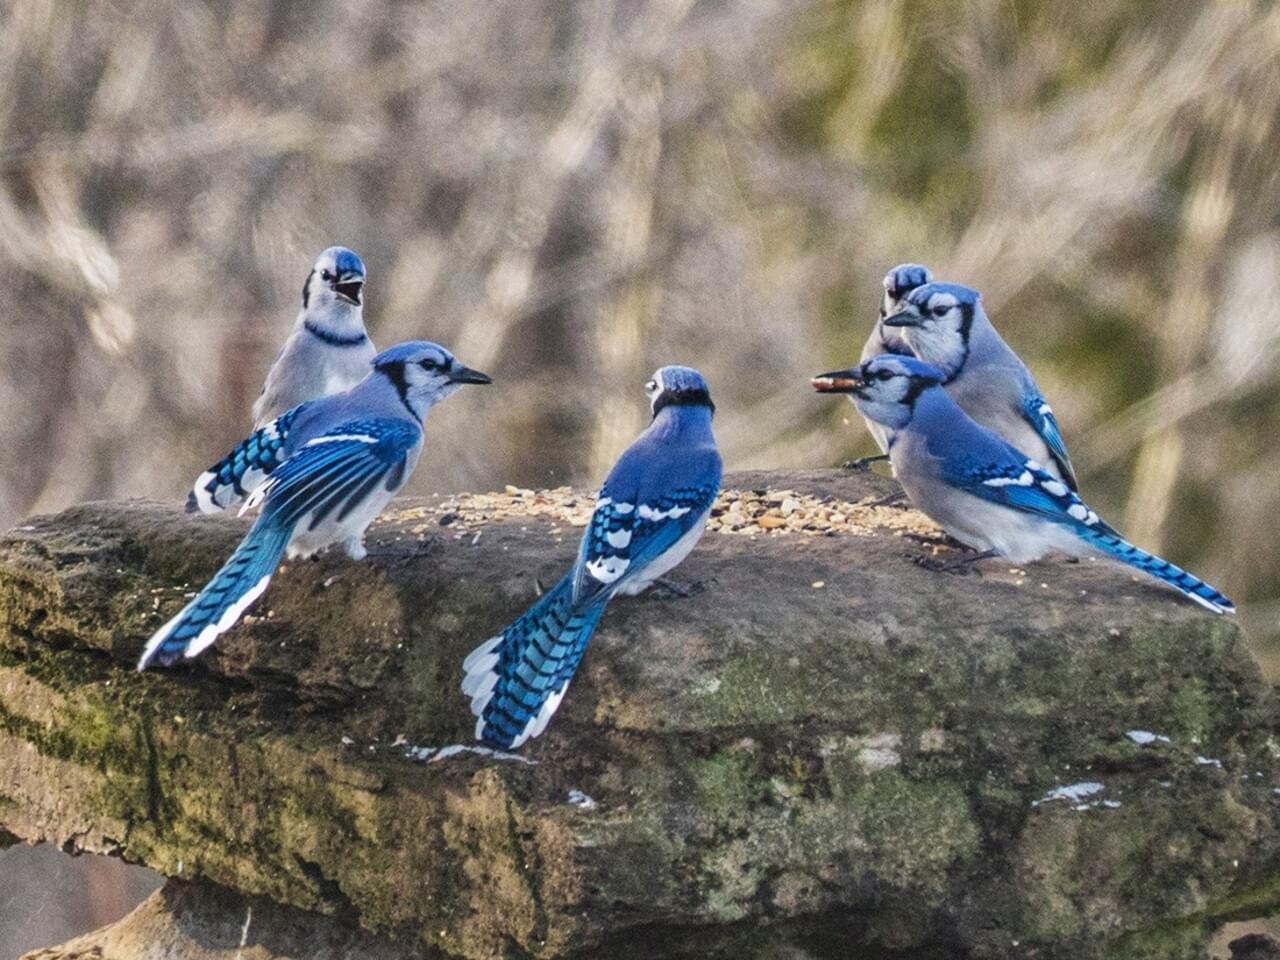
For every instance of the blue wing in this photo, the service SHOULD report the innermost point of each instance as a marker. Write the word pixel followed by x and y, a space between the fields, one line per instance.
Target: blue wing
pixel 1038 413
pixel 625 536
pixel 242 470
pixel 334 473
pixel 1023 485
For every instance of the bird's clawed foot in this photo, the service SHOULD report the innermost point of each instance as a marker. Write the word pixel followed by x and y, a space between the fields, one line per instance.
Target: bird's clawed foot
pixel 864 463
pixel 355 548
pixel 680 591
pixel 957 565
pixel 895 499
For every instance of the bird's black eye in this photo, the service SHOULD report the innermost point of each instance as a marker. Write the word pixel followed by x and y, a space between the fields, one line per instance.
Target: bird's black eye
pixel 429 364
pixel 883 374
pixel 326 275
pixel 651 386
pixel 940 311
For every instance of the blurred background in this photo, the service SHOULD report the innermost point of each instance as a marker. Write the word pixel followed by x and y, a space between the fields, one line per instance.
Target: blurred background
pixel 570 194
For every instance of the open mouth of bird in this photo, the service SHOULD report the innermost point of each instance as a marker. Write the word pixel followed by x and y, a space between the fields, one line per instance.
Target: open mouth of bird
pixel 838 383
pixel 349 291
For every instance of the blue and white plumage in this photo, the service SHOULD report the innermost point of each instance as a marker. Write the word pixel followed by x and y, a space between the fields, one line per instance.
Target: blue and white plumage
pixel 945 325
pixel 344 458
pixel 329 350
pixel 651 512
pixel 897 283
pixel 327 353
pixel 978 486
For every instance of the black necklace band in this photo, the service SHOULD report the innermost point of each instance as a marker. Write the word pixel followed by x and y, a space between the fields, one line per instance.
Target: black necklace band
pixel 334 339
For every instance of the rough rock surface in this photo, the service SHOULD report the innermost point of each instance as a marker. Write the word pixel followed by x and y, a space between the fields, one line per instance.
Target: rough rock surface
pixel 827 746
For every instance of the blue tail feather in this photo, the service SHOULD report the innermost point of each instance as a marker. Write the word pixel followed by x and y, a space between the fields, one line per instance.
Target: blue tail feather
pixel 219 605
pixel 1110 543
pixel 517 680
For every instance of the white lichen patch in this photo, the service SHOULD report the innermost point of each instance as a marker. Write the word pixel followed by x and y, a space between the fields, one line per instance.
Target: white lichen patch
pixel 1144 737
pixel 1077 795
pixel 580 800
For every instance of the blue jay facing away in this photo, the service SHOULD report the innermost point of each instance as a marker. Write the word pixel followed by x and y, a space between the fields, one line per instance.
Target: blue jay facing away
pixel 978 486
pixel 650 513
pixel 328 352
pixel 898 282
pixel 945 325
pixel 345 457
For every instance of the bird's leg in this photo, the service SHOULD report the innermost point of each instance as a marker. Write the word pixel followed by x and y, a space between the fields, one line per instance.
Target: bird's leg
pixel 960 565
pixel 895 499
pixel 355 547
pixel 683 591
pixel 864 463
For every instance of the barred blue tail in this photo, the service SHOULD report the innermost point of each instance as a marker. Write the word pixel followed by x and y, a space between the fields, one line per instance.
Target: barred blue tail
pixel 220 604
pixel 516 680
pixel 240 472
pixel 1108 542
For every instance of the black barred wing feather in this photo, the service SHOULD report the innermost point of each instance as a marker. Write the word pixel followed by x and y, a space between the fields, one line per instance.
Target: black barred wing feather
pixel 1024 485
pixel 1039 414
pixel 331 475
pixel 242 470
pixel 624 536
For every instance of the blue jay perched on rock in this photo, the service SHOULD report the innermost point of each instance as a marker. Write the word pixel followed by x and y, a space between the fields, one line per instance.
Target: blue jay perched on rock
pixel 980 488
pixel 945 325
pixel 328 352
pixel 650 513
pixel 344 457
pixel 898 282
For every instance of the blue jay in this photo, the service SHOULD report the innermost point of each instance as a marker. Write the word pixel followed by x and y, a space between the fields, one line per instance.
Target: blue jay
pixel 344 457
pixel 945 325
pixel 650 513
pixel 898 282
pixel 979 487
pixel 328 352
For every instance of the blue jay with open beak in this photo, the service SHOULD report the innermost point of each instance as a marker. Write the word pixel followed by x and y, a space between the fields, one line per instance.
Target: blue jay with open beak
pixel 328 352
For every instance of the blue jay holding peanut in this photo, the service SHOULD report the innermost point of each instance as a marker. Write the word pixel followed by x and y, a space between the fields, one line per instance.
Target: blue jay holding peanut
pixel 650 513
pixel 982 490
pixel 327 353
pixel 945 325
pixel 342 458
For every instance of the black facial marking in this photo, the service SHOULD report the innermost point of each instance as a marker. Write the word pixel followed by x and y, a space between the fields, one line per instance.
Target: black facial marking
pixel 915 387
pixel 683 398
pixel 394 372
pixel 306 290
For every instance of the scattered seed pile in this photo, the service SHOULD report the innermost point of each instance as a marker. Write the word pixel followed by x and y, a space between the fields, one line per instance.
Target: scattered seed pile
pixel 749 512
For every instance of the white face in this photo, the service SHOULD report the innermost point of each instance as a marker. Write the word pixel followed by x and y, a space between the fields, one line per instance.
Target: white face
pixel 886 393
pixel 653 388
pixel 327 289
pixel 428 376
pixel 940 336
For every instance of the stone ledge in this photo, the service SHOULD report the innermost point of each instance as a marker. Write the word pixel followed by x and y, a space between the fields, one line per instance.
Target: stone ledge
pixel 826 740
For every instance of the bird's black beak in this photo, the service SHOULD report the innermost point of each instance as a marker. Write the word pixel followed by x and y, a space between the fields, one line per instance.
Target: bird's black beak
pixel 460 374
pixel 349 288
pixel 904 318
pixel 839 381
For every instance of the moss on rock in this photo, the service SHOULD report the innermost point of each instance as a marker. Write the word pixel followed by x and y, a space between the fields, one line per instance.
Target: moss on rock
pixel 826 745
